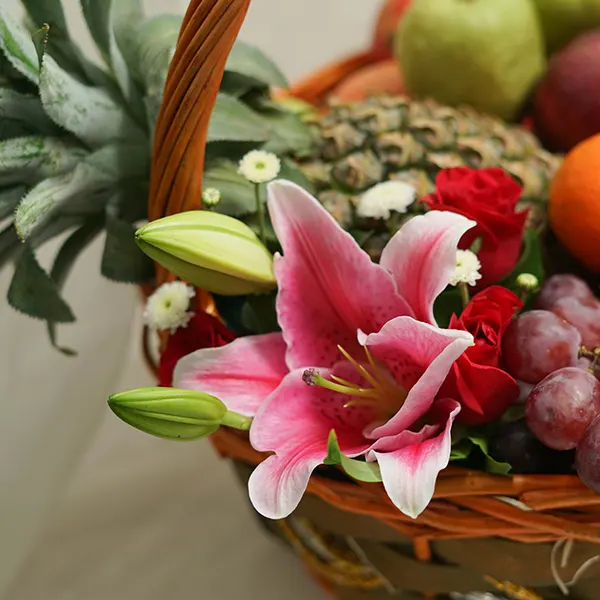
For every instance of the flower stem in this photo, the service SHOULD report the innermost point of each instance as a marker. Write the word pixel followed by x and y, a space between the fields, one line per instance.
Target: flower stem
pixel 261 214
pixel 464 293
pixel 236 421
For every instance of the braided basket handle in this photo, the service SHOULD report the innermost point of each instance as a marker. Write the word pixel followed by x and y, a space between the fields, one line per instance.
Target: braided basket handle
pixel 207 35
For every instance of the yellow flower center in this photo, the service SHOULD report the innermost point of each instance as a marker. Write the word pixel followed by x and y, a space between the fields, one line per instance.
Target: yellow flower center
pixel 383 393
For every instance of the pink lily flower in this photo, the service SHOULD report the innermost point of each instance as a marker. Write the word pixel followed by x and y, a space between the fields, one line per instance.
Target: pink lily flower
pixel 359 353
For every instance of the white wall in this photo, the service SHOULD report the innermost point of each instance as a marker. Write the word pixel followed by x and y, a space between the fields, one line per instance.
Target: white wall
pixel 90 508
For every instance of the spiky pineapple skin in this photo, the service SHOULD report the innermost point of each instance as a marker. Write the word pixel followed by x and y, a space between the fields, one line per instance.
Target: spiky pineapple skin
pixel 358 145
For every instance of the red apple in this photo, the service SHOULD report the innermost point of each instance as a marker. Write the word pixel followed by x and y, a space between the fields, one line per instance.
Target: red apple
pixel 385 28
pixel 566 105
pixel 380 78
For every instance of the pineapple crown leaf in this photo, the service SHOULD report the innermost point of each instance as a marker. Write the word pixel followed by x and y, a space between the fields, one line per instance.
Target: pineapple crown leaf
pixel 18 47
pixel 31 159
pixel 251 63
pixel 122 260
pixel 27 110
pixel 65 259
pixel 90 113
pixel 34 293
pixel 234 121
pixel 92 176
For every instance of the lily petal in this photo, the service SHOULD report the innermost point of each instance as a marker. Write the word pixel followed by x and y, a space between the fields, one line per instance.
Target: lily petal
pixel 422 258
pixel 241 374
pixel 409 473
pixel 419 356
pixel 328 286
pixel 295 422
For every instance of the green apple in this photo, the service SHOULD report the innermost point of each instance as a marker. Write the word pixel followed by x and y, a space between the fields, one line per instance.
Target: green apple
pixel 485 53
pixel 563 20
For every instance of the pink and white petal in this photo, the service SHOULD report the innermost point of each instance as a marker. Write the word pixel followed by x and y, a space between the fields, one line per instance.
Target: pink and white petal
pixel 419 356
pixel 422 258
pixel 401 440
pixel 294 423
pixel 241 374
pixel 410 473
pixel 328 286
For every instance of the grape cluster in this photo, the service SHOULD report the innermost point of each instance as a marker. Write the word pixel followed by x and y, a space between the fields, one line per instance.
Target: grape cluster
pixel 555 349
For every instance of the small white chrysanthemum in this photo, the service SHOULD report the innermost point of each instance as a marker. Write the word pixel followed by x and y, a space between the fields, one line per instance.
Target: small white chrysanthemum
pixel 211 197
pixel 168 307
pixel 381 199
pixel 528 282
pixel 467 268
pixel 259 166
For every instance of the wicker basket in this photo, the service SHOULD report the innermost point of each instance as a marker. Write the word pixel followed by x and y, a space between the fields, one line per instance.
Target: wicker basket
pixel 520 536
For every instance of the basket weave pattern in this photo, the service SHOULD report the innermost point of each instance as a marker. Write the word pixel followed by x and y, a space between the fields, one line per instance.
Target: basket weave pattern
pixel 525 510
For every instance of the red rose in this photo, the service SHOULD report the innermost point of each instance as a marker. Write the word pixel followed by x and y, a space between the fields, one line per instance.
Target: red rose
pixel 203 331
pixel 489 197
pixel 477 379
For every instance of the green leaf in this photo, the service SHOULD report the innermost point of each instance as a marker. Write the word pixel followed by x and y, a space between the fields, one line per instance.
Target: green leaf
pixel 357 469
pixel 18 47
pixel 9 198
pixel 259 314
pixel 288 134
pixel 88 112
pixel 233 121
pixel 147 48
pixel 104 18
pixel 291 172
pixel 334 454
pixel 122 260
pixel 45 198
pixel 101 14
pixel 530 261
pixel 25 109
pixel 63 263
pixel 237 193
pixel 492 465
pixel 33 292
pixel 461 450
pixel 448 303
pixel 35 158
pixel 249 61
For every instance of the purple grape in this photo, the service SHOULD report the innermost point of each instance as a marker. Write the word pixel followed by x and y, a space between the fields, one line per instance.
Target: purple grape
pixel 562 286
pixel 584 315
pixel 561 407
pixel 538 343
pixel 515 444
pixel 587 457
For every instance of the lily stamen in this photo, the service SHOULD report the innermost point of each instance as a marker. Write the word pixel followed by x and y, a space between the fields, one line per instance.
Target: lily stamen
pixel 312 377
pixel 362 371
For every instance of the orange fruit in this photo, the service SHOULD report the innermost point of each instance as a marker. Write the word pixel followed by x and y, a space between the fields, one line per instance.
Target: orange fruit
pixel 574 207
pixel 382 78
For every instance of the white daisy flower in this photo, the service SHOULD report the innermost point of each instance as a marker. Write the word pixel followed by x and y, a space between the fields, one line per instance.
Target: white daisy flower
pixel 467 268
pixel 211 197
pixel 381 199
pixel 259 166
pixel 168 307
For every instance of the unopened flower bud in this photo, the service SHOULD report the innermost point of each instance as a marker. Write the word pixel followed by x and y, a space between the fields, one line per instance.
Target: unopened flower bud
pixel 211 197
pixel 169 412
pixel 214 252
pixel 528 282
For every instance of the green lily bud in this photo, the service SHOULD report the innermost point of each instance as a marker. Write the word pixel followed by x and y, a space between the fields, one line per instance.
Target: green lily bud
pixel 211 251
pixel 174 414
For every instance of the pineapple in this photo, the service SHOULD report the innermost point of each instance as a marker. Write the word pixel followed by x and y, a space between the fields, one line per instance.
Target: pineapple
pixel 364 143
pixel 76 139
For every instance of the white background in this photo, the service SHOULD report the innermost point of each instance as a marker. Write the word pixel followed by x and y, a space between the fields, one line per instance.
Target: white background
pixel 89 508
